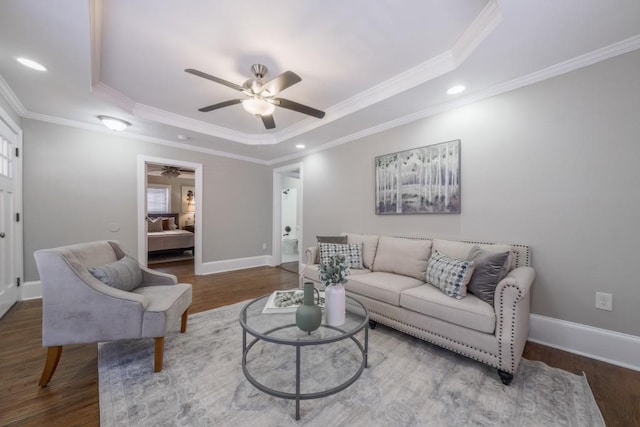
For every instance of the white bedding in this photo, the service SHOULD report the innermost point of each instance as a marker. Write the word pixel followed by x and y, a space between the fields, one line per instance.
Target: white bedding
pixel 169 239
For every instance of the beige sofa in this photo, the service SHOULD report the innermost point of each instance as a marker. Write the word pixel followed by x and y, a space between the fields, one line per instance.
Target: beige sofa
pixel 392 285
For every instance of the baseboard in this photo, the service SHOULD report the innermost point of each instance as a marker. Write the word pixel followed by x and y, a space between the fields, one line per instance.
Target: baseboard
pixel 31 290
pixel 600 344
pixel 234 264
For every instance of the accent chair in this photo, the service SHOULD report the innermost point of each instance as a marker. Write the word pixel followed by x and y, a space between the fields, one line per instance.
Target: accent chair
pixel 93 292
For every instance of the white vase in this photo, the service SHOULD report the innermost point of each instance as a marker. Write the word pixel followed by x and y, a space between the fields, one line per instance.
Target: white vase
pixel 334 300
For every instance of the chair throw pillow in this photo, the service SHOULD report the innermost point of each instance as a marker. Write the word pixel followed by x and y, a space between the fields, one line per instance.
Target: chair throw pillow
pixel 490 270
pixel 352 253
pixel 124 274
pixel 450 275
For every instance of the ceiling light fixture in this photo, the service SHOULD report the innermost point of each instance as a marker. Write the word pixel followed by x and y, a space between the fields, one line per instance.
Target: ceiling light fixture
pixel 31 64
pixel 113 123
pixel 258 107
pixel 456 89
pixel 300 146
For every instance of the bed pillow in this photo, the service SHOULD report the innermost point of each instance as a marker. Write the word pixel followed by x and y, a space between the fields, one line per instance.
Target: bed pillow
pixel 490 270
pixel 124 274
pixel 154 225
pixel 352 253
pixel 169 223
pixel 450 275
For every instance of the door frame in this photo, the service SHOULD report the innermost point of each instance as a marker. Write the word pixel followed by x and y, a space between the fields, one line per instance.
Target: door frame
pixel 142 206
pixel 15 132
pixel 276 243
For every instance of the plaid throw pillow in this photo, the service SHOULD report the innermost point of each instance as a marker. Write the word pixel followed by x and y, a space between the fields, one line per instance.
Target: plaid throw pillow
pixel 450 275
pixel 352 253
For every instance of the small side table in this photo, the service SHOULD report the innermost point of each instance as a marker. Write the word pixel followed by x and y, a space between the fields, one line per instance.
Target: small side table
pixel 190 228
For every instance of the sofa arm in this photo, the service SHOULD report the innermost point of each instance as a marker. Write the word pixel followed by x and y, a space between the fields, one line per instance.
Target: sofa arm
pixel 512 306
pixel 156 278
pixel 311 255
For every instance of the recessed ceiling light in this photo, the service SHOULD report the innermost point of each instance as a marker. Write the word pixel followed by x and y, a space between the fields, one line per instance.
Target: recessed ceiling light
pixel 456 89
pixel 300 146
pixel 114 123
pixel 31 64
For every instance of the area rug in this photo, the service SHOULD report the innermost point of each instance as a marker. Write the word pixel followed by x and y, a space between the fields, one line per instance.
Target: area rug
pixel 409 383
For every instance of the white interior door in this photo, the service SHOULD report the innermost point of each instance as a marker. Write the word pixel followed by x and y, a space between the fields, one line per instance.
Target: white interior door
pixel 10 248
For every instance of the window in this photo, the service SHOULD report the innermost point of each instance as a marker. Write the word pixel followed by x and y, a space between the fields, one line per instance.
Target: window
pixel 158 198
pixel 6 162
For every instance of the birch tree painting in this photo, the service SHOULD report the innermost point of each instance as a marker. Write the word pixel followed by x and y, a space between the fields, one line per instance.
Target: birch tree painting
pixel 422 180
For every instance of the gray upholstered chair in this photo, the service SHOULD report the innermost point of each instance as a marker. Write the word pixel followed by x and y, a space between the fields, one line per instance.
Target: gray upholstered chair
pixel 77 307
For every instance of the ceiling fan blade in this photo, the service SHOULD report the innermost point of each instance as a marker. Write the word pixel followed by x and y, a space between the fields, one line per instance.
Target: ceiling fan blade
pixel 220 105
pixel 300 108
pixel 268 121
pixel 214 79
pixel 281 82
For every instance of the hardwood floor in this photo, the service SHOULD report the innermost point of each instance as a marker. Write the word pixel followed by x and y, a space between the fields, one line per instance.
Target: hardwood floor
pixel 71 398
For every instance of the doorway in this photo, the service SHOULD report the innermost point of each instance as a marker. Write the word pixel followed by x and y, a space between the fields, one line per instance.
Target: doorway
pixel 287 217
pixel 170 212
pixel 10 224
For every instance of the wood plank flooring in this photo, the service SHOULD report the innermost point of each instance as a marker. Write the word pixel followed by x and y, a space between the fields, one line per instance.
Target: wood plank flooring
pixel 71 399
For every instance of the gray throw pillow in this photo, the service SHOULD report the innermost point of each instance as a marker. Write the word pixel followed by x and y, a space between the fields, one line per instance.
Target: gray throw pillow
pixel 340 240
pixel 124 274
pixel 490 270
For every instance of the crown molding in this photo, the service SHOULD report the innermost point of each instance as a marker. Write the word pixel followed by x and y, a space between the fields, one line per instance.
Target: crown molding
pixel 607 52
pixel 478 30
pixel 138 137
pixel 12 99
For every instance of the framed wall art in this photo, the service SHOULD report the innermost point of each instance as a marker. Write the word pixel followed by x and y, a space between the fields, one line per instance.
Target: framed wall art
pixel 422 180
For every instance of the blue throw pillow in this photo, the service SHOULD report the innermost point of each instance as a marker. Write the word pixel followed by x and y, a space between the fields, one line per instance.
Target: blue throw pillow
pixel 124 274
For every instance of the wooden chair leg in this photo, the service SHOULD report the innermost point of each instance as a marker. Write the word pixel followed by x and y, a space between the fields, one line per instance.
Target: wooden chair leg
pixel 159 354
pixel 183 324
pixel 53 357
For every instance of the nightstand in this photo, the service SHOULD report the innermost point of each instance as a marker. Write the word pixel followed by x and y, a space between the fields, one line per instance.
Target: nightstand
pixel 190 228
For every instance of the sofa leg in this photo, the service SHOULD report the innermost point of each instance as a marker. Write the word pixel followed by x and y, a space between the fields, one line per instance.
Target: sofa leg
pixel 183 324
pixel 372 324
pixel 505 377
pixel 159 354
pixel 53 357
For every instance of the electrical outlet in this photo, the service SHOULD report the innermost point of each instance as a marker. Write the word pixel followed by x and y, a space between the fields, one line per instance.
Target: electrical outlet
pixel 604 301
pixel 264 246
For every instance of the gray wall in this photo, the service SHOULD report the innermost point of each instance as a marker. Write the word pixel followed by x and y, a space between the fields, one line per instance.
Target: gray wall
pixel 76 182
pixel 553 165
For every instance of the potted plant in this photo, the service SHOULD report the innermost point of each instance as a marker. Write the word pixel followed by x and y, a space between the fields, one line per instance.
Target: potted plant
pixel 333 274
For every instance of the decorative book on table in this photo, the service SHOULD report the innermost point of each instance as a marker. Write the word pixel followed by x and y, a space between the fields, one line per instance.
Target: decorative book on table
pixel 287 301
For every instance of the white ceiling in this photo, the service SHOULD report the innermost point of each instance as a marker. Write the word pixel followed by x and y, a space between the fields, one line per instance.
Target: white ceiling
pixel 369 64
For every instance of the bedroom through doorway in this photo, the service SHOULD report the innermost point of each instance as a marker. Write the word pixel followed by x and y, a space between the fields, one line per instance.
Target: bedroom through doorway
pixel 169 207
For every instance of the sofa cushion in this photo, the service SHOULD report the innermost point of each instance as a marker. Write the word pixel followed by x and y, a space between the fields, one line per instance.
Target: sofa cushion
pixel 469 312
pixel 385 287
pixel 369 246
pixel 352 253
pixel 311 272
pixel 450 275
pixel 490 269
pixel 403 256
pixel 340 240
pixel 124 274
pixel 461 250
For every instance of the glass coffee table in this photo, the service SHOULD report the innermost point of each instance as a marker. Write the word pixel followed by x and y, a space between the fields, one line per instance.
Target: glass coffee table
pixel 327 347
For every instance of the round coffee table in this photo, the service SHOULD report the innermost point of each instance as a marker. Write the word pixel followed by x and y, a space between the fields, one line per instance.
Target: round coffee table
pixel 280 328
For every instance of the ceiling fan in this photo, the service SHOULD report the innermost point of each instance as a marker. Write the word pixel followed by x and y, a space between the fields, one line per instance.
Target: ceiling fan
pixel 261 96
pixel 169 171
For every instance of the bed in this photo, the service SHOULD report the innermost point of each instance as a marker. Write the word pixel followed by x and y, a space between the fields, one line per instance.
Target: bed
pixel 168 239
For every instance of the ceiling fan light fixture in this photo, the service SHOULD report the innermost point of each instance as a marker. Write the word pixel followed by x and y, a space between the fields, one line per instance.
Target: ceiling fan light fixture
pixel 114 123
pixel 258 107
